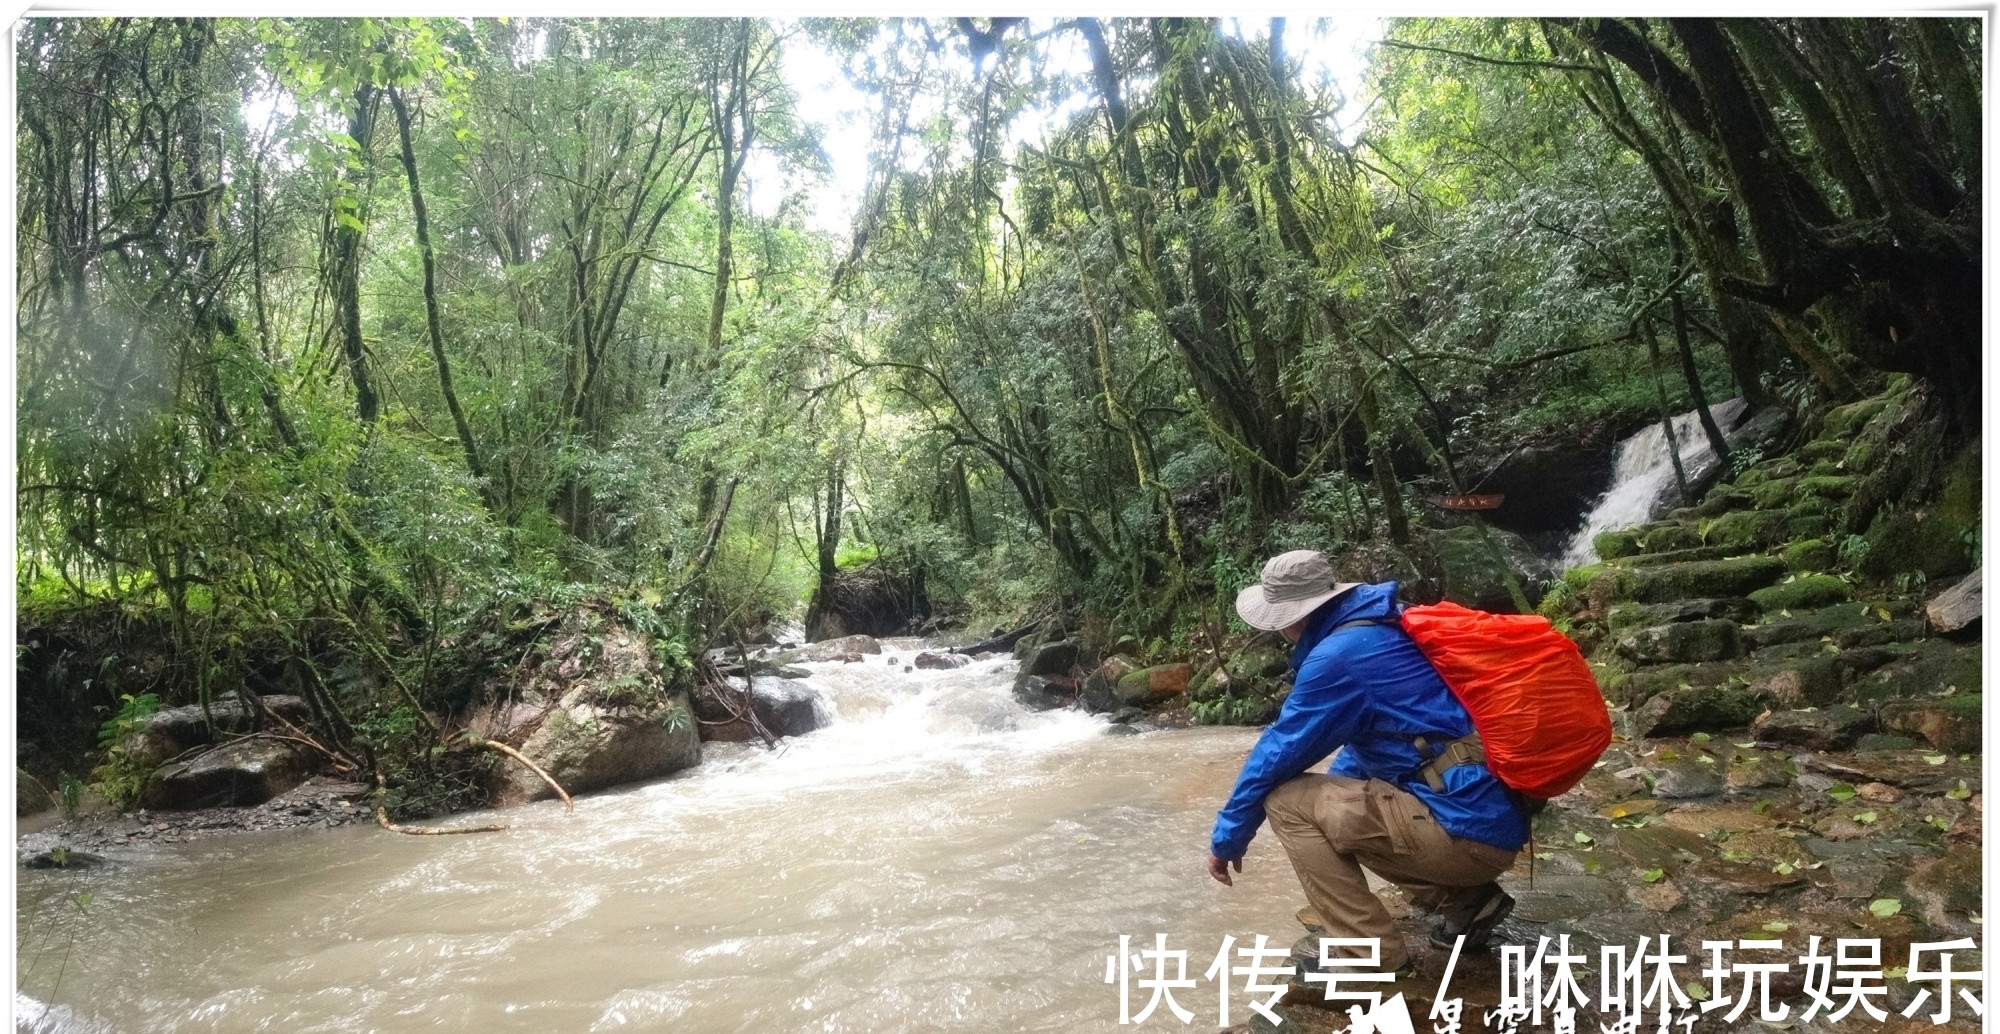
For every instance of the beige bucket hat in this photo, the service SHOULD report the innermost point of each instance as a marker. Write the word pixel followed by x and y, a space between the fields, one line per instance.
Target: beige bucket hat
pixel 1292 586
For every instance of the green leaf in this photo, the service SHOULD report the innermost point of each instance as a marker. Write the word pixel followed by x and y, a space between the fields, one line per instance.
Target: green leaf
pixel 1653 875
pixel 1696 990
pixel 1776 927
pixel 1783 868
pixel 1883 908
pixel 1959 792
pixel 1935 759
pixel 1865 818
pixel 350 222
pixel 1585 838
pixel 1700 737
pixel 1840 792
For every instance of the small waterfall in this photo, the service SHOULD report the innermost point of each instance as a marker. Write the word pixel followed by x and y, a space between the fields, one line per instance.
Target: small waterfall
pixel 1642 477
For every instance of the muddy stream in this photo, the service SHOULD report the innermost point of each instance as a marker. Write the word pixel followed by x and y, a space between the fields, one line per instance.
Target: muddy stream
pixel 936 859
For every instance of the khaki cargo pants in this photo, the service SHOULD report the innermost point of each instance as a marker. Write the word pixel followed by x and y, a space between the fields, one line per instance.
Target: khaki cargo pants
pixel 1332 826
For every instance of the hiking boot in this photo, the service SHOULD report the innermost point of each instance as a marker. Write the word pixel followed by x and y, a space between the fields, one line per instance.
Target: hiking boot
pixel 1476 921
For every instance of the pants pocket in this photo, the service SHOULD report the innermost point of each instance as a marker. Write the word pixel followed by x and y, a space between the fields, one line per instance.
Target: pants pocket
pixel 1400 815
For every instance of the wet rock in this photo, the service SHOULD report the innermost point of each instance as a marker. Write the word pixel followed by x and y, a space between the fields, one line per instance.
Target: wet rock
pixel 1949 724
pixel 1952 883
pixel 1695 709
pixel 1956 609
pixel 787 708
pixel 1100 690
pixel 1863 659
pixel 1122 729
pixel 1852 878
pixel 1662 896
pixel 30 796
pixel 1830 728
pixel 1154 685
pixel 1802 591
pixel 1682 642
pixel 838 649
pixel 242 773
pixel 1686 779
pixel 62 858
pixel 1805 682
pixel 1931 668
pixel 1044 692
pixel 1899 631
pixel 1879 793
pixel 1811 626
pixel 1557 896
pixel 1918 771
pixel 940 661
pixel 1055 658
pixel 1126 715
pixel 1884 741
pixel 1764 772
pixel 1705 819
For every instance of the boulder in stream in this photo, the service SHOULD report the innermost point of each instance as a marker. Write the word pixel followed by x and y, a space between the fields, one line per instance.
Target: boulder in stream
pixel 246 772
pixel 784 707
pixel 940 661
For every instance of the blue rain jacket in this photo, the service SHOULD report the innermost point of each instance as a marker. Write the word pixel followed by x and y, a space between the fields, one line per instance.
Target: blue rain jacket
pixel 1368 689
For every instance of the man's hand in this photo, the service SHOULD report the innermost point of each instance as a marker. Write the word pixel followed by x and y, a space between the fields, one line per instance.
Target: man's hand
pixel 1219 869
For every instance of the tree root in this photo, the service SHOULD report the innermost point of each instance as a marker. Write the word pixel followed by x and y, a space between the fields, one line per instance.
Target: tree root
pixel 382 818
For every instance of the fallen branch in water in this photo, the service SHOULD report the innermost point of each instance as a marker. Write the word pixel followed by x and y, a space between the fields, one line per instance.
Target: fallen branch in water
pixel 382 818
pixel 1005 642
pixel 478 741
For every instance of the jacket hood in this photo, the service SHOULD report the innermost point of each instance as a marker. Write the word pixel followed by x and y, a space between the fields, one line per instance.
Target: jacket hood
pixel 1373 601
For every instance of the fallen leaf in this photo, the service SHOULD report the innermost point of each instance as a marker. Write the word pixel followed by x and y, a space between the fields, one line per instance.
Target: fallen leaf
pixel 1959 792
pixel 1883 908
pixel 1700 737
pixel 1782 868
pixel 1584 838
pixel 1653 875
pixel 1840 792
pixel 1865 818
pixel 1935 759
pixel 1776 927
pixel 1696 990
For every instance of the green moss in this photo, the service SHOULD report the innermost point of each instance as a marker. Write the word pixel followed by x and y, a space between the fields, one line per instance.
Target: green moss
pixel 1662 538
pixel 1803 592
pixel 1843 421
pixel 1611 545
pixel 1579 578
pixel 1773 494
pixel 1737 576
pixel 1752 478
pixel 1745 528
pixel 1809 555
pixel 1823 449
pixel 1838 487
pixel 1806 525
pixel 1862 455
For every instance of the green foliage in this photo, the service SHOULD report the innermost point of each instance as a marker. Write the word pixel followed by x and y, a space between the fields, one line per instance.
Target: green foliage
pixel 120 778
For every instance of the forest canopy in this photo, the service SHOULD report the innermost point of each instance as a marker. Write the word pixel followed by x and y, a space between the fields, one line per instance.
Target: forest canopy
pixel 339 337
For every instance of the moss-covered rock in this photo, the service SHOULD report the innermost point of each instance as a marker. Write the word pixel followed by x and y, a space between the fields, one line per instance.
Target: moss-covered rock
pixel 1739 576
pixel 1822 449
pixel 1803 591
pixel 1476 562
pixel 1804 525
pixel 1811 681
pixel 1684 556
pixel 1668 536
pixel 1800 627
pixel 1843 421
pixel 1610 545
pixel 1637 615
pixel 1745 529
pixel 1808 555
pixel 1648 682
pixel 1947 723
pixel 1829 728
pixel 1695 709
pixel 1683 642
pixel 1835 487
pixel 1774 494
pixel 1933 668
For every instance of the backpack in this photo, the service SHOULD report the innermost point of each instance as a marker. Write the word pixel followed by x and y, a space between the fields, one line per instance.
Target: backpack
pixel 1540 717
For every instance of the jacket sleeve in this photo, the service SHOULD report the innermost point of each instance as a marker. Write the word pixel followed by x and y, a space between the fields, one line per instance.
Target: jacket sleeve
pixel 1323 713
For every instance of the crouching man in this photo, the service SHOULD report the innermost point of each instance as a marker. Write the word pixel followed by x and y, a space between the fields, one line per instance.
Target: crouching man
pixel 1407 798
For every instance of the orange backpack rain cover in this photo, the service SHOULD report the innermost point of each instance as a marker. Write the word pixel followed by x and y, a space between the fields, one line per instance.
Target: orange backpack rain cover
pixel 1532 698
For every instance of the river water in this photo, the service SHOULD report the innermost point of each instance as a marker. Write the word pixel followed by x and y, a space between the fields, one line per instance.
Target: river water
pixel 937 859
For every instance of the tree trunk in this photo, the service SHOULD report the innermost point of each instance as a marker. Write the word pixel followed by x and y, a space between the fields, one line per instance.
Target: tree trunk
pixel 431 321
